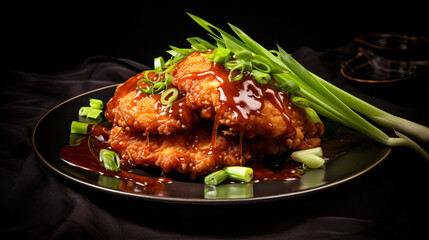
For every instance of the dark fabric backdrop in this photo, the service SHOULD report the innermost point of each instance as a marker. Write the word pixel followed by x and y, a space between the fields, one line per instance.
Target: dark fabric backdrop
pixel 388 202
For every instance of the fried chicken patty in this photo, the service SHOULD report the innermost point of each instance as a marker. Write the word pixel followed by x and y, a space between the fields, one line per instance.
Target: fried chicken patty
pixel 214 123
pixel 135 111
pixel 186 152
pixel 244 105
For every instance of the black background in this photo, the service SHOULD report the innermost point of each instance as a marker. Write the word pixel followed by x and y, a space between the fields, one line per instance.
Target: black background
pixel 52 37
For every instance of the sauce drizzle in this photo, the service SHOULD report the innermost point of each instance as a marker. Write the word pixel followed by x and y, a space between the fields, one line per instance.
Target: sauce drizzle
pixel 239 100
pixel 84 155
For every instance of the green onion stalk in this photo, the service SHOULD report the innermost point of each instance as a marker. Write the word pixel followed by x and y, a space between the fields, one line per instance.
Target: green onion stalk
pixel 307 90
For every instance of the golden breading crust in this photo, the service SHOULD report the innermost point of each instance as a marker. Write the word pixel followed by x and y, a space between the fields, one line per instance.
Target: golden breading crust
pixel 245 106
pixel 135 111
pixel 186 151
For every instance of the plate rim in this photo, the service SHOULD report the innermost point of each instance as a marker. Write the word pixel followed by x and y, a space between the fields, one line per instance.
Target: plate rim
pixel 182 200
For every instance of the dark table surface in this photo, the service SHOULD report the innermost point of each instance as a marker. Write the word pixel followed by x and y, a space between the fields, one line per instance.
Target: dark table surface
pixel 55 55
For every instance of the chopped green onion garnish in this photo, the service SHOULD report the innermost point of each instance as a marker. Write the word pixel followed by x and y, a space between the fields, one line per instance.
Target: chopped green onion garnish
pixel 221 55
pixel 110 160
pixel 159 63
pixel 96 103
pixel 239 173
pixel 162 79
pixel 215 178
pixel 239 67
pixel 146 75
pixel 261 66
pixel 79 127
pixel 313 157
pixel 169 95
pixel 83 111
pixel 94 113
pixel 300 102
pixel 148 90
pixel 261 77
pixel 158 87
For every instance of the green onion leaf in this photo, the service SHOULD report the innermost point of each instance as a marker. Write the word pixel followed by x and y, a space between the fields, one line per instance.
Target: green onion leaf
pixel 148 89
pixel 312 115
pixel 96 103
pixel 221 55
pixel 180 51
pixel 276 53
pixel 79 128
pixel 215 178
pixel 300 102
pixel 322 96
pixel 110 160
pixel 199 44
pixel 169 96
pixel 146 75
pixel 239 173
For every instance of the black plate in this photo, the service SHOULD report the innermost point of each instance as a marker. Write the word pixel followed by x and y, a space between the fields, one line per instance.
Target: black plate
pixel 52 132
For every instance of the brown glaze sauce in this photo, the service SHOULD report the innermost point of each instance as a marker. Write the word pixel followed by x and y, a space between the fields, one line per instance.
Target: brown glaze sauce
pixel 289 171
pixel 241 99
pixel 84 155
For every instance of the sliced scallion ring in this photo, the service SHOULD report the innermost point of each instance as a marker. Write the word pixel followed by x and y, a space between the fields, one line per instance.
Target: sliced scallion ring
pixel 158 87
pixel 261 66
pixel 261 77
pixel 149 89
pixel 110 160
pixel 159 63
pixel 169 95
pixel 239 67
pixel 83 111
